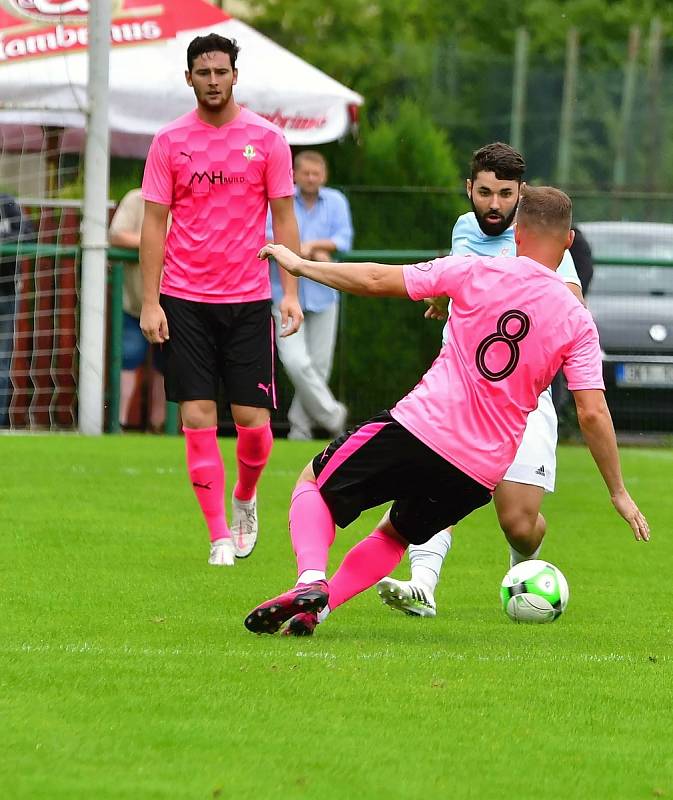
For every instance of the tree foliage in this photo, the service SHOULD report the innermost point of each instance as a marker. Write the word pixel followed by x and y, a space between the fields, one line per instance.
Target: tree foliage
pixel 437 82
pixel 381 48
pixel 456 63
pixel 405 151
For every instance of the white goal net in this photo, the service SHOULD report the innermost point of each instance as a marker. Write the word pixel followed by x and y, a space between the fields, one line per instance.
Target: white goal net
pixel 39 281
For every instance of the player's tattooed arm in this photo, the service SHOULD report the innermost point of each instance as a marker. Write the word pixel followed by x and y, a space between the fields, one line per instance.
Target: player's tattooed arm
pixel 366 279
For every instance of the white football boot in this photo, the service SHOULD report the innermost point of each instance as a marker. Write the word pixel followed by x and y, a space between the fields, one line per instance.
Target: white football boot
pixel 244 525
pixel 406 596
pixel 222 553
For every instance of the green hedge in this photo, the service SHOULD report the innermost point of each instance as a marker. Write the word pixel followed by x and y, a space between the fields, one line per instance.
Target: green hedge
pixel 384 347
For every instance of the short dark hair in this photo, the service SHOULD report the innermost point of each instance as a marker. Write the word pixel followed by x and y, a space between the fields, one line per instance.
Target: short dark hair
pixel 211 43
pixel 507 163
pixel 546 209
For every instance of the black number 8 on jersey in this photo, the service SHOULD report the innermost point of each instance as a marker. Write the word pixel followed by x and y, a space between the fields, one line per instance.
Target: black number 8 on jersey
pixel 510 339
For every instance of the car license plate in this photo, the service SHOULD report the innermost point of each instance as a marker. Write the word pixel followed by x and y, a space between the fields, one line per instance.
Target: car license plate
pixel 655 376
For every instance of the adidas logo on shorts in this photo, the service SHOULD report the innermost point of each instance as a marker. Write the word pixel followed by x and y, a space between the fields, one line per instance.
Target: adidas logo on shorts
pixel 540 471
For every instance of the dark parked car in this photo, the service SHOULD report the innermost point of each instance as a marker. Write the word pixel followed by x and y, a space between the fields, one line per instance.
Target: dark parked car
pixel 633 309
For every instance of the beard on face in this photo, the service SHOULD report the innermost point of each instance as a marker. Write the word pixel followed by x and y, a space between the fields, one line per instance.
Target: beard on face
pixel 212 104
pixel 493 228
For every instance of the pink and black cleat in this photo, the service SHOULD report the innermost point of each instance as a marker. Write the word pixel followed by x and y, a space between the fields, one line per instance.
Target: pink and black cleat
pixel 269 616
pixel 301 624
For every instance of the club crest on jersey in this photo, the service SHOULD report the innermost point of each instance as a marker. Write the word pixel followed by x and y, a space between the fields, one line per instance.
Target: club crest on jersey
pixel 249 152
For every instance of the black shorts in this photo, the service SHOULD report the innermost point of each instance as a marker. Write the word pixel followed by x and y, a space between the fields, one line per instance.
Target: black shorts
pixel 380 461
pixel 209 342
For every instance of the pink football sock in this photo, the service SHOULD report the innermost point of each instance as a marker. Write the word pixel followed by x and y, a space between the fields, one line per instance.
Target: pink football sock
pixel 253 447
pixel 311 527
pixel 206 471
pixel 364 565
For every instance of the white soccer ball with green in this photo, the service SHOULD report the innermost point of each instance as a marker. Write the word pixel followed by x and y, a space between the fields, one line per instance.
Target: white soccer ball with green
pixel 534 591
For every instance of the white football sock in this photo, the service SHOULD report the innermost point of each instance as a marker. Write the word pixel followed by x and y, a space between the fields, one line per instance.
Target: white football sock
pixel 515 557
pixel 426 559
pixel 310 575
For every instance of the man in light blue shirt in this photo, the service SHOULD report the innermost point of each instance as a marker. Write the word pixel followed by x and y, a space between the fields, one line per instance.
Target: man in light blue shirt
pixel 324 220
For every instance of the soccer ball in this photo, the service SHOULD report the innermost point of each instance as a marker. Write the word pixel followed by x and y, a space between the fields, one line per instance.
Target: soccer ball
pixel 534 591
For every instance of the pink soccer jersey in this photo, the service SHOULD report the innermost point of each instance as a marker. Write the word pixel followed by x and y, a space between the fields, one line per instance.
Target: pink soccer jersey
pixel 217 183
pixel 513 325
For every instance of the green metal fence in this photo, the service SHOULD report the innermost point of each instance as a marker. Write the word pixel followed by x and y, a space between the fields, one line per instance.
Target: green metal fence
pixel 117 257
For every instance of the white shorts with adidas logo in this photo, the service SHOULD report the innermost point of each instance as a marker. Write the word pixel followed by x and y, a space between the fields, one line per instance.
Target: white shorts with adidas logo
pixel 535 460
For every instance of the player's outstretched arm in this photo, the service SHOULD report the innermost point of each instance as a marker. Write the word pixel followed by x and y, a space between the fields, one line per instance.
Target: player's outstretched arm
pixel 366 279
pixel 595 422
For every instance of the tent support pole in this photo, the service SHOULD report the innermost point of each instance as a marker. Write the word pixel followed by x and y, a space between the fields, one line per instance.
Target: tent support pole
pixel 94 226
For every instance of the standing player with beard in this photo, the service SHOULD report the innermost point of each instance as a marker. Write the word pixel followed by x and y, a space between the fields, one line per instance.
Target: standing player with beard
pixel 216 169
pixel 494 189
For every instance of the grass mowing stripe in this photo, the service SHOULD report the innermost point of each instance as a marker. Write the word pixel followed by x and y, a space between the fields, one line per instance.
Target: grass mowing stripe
pixel 387 655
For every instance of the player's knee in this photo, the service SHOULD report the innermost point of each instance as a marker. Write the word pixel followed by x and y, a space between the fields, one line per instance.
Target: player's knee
pixel 197 414
pixel 520 528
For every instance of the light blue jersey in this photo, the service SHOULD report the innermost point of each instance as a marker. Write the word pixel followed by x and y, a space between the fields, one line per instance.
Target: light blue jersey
pixel 468 237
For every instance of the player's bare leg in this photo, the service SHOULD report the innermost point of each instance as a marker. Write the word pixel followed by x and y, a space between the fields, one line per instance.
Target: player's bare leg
pixel 518 508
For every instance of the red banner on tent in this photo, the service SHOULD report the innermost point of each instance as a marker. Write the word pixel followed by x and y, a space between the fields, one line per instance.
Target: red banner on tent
pixel 37 28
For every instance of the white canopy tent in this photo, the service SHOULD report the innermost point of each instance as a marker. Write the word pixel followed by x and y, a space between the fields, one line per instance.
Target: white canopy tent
pixel 44 73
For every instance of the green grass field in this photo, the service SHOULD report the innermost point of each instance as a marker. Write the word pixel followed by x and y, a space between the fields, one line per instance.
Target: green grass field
pixel 126 671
